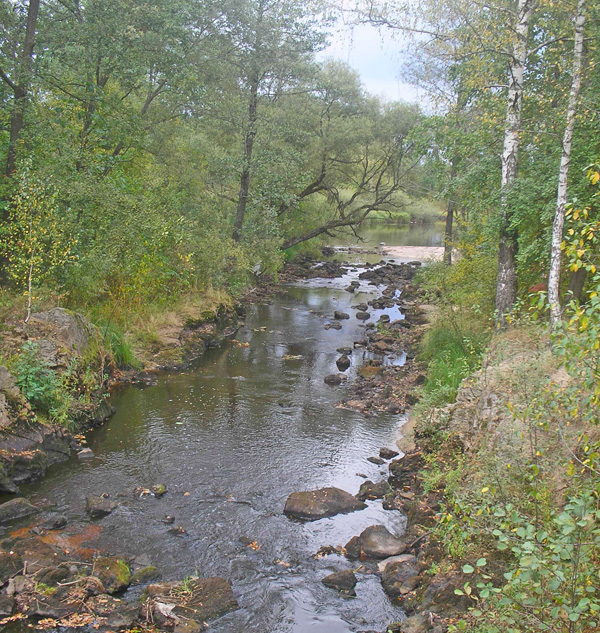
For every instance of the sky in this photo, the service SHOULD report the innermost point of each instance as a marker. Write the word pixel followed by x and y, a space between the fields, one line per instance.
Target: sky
pixel 375 54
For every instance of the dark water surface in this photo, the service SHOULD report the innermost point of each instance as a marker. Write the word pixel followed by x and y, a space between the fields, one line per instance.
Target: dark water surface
pixel 231 440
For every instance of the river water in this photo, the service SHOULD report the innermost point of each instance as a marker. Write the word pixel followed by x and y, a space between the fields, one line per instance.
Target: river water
pixel 231 439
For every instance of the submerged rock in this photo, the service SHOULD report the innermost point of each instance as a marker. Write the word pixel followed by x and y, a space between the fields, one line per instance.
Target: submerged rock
pixel 99 507
pixel 340 315
pixel 333 379
pixel 318 504
pixel 344 580
pixel 16 509
pixel 159 490
pixel 375 460
pixel 363 316
pixel 335 325
pixel 85 454
pixel 343 362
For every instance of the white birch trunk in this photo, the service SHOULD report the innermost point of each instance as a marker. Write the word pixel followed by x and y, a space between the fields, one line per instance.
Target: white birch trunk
pixel 506 287
pixel 563 174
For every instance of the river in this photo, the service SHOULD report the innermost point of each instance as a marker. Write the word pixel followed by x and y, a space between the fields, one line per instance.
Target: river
pixel 231 439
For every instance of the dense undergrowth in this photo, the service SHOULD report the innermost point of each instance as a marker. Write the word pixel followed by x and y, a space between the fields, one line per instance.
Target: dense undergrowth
pixel 515 451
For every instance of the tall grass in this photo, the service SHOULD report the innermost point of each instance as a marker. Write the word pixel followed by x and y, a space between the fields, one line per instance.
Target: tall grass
pixel 450 356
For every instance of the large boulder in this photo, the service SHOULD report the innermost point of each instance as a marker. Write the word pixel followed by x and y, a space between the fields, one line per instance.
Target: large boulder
pixel 322 503
pixel 377 542
pixel 8 385
pixel 374 542
pixel 199 600
pixel 67 330
pixel 16 509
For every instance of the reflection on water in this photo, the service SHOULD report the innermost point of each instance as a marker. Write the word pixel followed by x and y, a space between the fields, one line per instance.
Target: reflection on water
pixel 376 231
pixel 231 439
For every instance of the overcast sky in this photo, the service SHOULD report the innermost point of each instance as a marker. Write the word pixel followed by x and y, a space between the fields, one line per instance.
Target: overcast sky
pixel 375 55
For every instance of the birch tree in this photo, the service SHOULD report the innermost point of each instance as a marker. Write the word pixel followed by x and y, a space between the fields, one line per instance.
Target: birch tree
pixel 563 174
pixel 506 287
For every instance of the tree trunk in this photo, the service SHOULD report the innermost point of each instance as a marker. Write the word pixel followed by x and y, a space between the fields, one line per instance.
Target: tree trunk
pixel 449 220
pixel 506 287
pixel 248 149
pixel 21 86
pixel 563 174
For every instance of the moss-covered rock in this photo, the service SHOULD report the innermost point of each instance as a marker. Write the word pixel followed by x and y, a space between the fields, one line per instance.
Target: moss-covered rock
pixel 113 573
pixel 197 600
pixel 145 575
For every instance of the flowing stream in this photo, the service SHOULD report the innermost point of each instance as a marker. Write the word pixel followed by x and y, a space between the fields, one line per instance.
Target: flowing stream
pixel 231 439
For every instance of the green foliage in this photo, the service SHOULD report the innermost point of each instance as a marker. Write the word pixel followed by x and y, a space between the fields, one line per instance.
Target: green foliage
pixel 42 386
pixel 578 337
pixel 36 240
pixel 554 582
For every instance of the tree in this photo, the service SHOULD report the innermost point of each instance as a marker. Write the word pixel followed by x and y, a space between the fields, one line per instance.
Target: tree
pixel 506 288
pixel 19 81
pixel 38 241
pixel 362 155
pixel 272 43
pixel 561 200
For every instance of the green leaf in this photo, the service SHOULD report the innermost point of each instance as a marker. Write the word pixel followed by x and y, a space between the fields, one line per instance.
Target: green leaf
pixel 467 569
